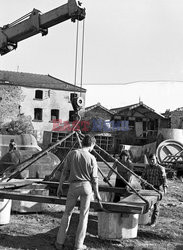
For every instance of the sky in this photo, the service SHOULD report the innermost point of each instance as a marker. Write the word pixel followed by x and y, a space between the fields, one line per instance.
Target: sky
pixel 133 50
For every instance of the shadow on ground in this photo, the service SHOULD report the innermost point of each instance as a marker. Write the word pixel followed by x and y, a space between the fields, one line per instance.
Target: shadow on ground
pixel 45 241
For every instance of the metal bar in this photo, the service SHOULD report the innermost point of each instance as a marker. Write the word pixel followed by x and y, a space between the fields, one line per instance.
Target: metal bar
pixel 20 167
pixel 25 29
pixel 121 177
pixel 137 176
pixel 53 172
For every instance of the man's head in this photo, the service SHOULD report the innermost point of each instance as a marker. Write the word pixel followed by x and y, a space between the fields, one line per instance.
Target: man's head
pixel 124 155
pixel 89 141
pixel 12 145
pixel 152 159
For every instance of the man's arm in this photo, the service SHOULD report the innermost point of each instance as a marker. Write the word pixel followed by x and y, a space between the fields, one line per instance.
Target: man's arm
pixel 94 180
pixel 111 171
pixel 96 190
pixel 163 179
pixel 63 177
pixel 130 166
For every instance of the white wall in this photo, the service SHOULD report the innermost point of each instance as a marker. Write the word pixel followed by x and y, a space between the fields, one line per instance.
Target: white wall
pixel 52 99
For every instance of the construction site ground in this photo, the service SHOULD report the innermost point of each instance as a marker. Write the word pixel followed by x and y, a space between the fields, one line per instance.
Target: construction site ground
pixel 38 230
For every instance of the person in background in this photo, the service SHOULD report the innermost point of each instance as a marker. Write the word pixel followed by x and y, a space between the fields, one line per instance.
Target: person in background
pixel 14 153
pixel 124 158
pixel 10 160
pixel 81 168
pixel 12 145
pixel 155 175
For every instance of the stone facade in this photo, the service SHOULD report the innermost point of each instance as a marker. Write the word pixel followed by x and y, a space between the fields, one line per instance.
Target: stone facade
pixel 42 97
pixel 52 100
pixel 177 118
pixel 10 98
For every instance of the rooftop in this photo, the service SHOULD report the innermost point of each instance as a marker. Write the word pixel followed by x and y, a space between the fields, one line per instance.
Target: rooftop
pixel 32 80
pixel 140 107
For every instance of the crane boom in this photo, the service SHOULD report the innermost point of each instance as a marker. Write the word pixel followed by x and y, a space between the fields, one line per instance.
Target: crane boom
pixel 34 23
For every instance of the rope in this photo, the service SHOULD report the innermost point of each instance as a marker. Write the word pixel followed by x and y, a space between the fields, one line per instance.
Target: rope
pixel 75 126
pixel 76 53
pixel 82 55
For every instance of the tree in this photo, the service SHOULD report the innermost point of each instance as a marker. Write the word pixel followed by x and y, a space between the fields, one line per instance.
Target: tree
pixel 21 125
pixel 11 96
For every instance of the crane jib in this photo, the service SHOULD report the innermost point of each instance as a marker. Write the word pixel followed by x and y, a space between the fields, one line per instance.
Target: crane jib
pixel 35 23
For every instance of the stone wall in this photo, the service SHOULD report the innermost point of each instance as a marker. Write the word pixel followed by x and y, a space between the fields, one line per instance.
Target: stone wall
pixel 52 99
pixel 177 119
pixel 15 100
pixel 10 98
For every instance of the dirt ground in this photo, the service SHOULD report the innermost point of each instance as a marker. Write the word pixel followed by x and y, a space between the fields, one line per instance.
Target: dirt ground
pixel 38 231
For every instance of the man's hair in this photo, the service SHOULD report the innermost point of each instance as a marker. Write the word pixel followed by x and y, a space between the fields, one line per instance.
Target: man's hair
pixel 151 156
pixel 12 145
pixel 88 140
pixel 124 153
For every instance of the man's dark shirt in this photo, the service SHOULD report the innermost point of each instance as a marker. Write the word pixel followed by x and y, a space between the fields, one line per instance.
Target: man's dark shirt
pixel 155 175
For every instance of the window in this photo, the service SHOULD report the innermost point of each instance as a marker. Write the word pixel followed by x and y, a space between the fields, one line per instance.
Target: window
pixel 39 94
pixel 138 119
pixel 117 117
pixel 105 142
pixel 38 114
pixel 67 143
pixel 131 125
pixel 54 114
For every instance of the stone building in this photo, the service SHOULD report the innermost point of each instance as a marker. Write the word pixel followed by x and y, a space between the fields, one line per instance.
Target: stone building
pixel 177 118
pixel 43 97
pixel 174 118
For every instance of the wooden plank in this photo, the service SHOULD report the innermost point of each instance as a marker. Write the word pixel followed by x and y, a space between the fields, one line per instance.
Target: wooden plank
pixel 136 200
pixel 20 183
pixel 145 192
pixel 15 184
pixel 109 206
pixel 103 188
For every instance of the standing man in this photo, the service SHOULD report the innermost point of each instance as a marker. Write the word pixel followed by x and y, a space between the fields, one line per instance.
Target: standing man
pixel 14 153
pixel 10 160
pixel 124 158
pixel 82 171
pixel 156 176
